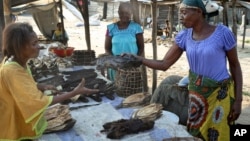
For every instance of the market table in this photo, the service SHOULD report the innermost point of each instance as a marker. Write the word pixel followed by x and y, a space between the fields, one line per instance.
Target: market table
pixel 92 115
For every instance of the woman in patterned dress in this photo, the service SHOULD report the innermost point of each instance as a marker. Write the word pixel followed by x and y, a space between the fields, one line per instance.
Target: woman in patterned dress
pixel 215 88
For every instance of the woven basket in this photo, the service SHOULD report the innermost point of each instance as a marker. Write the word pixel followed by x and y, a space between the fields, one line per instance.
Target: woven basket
pixel 128 82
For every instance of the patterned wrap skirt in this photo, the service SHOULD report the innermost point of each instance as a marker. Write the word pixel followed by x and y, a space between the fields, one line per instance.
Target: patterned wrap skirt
pixel 209 107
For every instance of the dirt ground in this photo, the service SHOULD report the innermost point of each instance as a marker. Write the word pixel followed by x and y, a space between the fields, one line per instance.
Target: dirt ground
pixel 97 34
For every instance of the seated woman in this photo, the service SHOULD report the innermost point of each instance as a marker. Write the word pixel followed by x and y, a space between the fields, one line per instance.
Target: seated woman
pixel 58 34
pixel 23 102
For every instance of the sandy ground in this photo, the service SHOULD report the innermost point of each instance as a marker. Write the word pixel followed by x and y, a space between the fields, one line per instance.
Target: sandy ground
pixel 97 33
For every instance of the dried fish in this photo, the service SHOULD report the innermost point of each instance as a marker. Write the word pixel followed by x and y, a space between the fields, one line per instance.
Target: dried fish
pixel 150 112
pixel 137 99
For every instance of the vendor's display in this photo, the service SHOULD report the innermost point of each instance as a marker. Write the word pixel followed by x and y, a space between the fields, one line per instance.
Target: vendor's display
pixel 83 57
pixel 117 62
pixel 45 69
pixel 149 112
pixel 137 99
pixel 58 118
pixel 118 129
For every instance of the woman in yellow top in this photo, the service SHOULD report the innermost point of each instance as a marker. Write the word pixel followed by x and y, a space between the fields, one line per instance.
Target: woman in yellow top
pixel 22 102
pixel 58 34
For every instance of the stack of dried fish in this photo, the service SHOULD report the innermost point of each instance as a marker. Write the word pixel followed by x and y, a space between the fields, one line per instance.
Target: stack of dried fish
pixel 137 99
pixel 150 112
pixel 45 66
pixel 58 118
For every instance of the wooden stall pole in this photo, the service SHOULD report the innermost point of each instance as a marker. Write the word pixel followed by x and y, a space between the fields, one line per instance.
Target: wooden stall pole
pixel 172 7
pixel 154 32
pixel 234 27
pixel 136 18
pixel 244 28
pixel 105 10
pixel 144 16
pixel 62 21
pixel 135 8
pixel 2 24
pixel 225 16
pixel 7 11
pixel 83 7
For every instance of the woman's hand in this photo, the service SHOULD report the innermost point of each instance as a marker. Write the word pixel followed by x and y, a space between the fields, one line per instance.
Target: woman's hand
pixel 235 111
pixel 81 89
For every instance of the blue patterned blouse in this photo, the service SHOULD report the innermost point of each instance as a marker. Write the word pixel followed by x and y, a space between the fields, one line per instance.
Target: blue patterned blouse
pixel 208 57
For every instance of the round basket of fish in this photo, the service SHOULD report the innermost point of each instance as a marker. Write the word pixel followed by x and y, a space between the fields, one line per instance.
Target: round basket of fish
pixel 128 81
pixel 149 113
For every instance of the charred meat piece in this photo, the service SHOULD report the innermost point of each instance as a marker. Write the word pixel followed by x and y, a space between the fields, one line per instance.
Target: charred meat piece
pixel 118 129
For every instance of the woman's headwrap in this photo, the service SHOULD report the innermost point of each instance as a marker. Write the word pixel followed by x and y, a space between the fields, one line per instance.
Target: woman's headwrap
pixel 200 4
pixel 193 4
